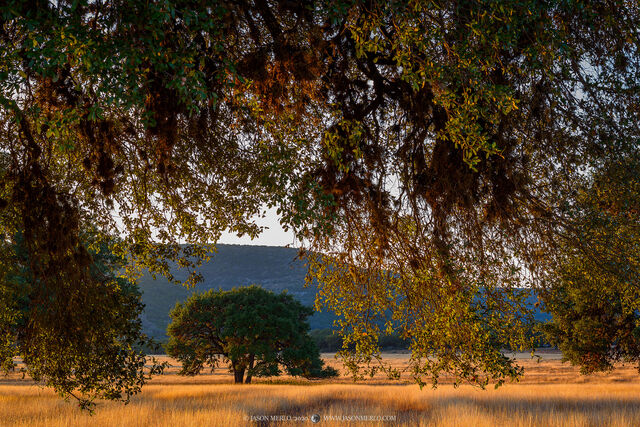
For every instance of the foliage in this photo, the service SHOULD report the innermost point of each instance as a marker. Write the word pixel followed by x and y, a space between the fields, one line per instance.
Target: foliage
pixel 326 339
pixel 595 301
pixel 476 123
pixel 254 329
pixel 329 340
pixel 81 337
pixel 465 335
pixel 425 150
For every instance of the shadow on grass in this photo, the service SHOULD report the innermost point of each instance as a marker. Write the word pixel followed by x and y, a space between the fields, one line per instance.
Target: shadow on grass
pixel 598 410
pixel 339 406
pixel 544 404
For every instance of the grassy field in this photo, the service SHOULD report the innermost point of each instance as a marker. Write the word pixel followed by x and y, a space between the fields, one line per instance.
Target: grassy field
pixel 550 394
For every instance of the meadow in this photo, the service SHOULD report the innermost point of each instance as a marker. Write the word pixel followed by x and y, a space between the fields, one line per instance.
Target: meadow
pixel 550 394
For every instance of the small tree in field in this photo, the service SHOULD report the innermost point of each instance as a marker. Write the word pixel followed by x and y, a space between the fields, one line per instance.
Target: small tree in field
pixel 257 331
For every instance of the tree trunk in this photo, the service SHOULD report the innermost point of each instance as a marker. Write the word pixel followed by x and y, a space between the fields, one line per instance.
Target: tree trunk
pixel 238 374
pixel 248 379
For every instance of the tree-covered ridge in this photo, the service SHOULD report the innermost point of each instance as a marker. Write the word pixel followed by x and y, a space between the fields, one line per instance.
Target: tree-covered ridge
pixel 275 269
pixel 431 152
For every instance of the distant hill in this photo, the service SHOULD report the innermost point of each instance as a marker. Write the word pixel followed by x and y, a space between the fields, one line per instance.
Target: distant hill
pixel 274 268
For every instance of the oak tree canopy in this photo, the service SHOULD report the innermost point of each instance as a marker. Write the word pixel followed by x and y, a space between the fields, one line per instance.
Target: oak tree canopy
pixel 257 332
pixel 435 158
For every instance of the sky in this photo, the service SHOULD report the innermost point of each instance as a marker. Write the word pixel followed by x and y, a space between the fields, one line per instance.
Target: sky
pixel 273 236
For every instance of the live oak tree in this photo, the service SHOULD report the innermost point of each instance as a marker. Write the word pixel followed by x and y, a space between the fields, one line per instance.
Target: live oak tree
pixel 82 338
pixel 425 152
pixel 595 300
pixel 85 147
pixel 450 191
pixel 255 330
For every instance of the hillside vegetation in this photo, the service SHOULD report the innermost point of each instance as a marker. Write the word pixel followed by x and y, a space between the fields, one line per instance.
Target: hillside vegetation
pixel 274 268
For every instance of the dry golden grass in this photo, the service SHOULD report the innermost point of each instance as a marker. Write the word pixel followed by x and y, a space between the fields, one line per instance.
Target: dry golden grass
pixel 550 394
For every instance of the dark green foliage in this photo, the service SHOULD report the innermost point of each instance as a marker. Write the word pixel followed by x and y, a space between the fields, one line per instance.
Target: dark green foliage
pixel 392 342
pixel 329 340
pixel 595 300
pixel 255 330
pixel 436 141
pixel 80 337
pixel 275 268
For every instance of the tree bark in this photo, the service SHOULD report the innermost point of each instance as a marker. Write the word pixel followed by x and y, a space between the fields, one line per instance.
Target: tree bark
pixel 238 374
pixel 251 360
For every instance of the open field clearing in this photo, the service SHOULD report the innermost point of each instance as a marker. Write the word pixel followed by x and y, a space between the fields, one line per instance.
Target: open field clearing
pixel 551 394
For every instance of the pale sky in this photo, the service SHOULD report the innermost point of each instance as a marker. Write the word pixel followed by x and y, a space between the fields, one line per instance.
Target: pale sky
pixel 273 236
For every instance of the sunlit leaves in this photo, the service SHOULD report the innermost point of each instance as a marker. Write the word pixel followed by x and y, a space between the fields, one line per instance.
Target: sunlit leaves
pixel 428 147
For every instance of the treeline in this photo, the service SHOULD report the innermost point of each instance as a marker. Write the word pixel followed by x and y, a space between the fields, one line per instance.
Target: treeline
pixel 328 340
